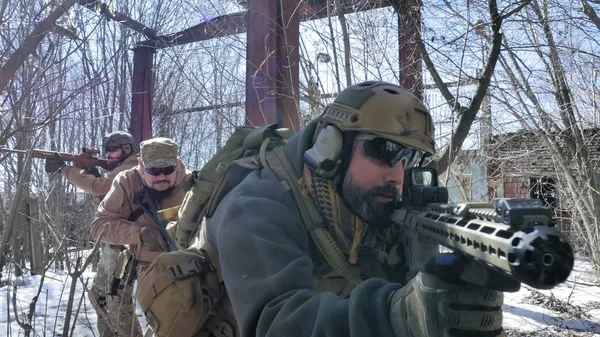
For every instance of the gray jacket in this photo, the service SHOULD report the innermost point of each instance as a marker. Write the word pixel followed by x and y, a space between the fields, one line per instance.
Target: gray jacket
pixel 272 270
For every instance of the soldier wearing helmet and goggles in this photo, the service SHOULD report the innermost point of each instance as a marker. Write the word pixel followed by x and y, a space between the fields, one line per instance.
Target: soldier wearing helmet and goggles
pixel 283 279
pixel 120 150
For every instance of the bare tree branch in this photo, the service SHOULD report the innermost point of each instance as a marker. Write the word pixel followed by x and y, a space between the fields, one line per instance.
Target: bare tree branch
pixel 591 13
pixel 18 57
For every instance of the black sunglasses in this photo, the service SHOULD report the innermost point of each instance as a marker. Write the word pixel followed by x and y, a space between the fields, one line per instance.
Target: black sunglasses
pixel 108 149
pixel 156 171
pixel 392 153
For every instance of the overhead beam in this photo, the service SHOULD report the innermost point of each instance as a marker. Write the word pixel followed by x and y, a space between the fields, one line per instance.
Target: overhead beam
pixel 105 10
pixel 237 23
pixel 206 108
pixel 218 27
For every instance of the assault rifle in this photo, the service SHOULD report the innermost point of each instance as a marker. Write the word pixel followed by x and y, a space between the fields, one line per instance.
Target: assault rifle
pixel 513 236
pixel 84 160
pixel 143 200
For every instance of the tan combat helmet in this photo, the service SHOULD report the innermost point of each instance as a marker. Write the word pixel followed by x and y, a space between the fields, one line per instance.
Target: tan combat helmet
pixel 383 109
pixel 121 139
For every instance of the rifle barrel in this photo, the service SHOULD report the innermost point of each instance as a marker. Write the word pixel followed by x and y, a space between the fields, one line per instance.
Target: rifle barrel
pixel 539 256
pixel 13 150
pixel 83 160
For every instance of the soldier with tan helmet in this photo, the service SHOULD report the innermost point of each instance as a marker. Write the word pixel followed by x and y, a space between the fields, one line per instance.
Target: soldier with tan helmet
pixel 279 277
pixel 119 148
pixel 120 220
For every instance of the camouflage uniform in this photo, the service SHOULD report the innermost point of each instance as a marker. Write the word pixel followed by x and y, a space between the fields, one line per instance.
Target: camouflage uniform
pixel 116 314
pixel 110 310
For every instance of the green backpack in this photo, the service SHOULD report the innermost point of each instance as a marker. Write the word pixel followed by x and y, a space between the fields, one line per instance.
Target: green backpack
pixel 182 292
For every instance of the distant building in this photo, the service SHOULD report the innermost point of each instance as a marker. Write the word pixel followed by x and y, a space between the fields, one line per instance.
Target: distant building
pixel 518 165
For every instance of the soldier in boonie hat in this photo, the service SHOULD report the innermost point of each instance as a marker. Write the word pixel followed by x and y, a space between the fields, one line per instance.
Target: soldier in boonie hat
pixel 159 158
pixel 159 151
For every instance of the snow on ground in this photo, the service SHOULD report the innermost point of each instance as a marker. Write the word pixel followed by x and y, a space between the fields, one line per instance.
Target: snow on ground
pixel 51 306
pixel 571 310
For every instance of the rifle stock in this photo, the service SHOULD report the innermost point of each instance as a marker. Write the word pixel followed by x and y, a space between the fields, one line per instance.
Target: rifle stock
pixel 85 160
pixel 514 236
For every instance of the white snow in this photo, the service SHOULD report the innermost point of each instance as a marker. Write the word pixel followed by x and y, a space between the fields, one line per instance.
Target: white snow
pixel 571 309
pixel 576 305
pixel 51 306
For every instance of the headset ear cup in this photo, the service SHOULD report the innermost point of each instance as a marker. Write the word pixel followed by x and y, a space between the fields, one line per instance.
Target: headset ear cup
pixel 324 156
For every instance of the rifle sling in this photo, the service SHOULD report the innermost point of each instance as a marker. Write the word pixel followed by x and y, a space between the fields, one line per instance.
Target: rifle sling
pixel 140 210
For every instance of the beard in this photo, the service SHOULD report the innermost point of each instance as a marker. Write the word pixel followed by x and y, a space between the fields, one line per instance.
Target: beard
pixel 159 195
pixel 364 203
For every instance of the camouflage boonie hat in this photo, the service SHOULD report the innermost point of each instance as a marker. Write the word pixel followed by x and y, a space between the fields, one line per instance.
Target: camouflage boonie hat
pixel 159 151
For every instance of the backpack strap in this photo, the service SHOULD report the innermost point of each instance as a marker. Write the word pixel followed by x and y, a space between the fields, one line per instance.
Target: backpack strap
pixel 278 162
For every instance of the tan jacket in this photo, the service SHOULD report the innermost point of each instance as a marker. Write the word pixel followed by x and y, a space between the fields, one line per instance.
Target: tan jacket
pixel 110 222
pixel 96 185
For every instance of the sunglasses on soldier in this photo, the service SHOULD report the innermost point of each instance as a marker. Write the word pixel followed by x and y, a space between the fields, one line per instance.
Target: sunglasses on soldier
pixel 111 148
pixel 390 152
pixel 156 171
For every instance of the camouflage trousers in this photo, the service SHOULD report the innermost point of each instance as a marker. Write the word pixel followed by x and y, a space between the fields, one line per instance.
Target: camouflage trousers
pixel 116 314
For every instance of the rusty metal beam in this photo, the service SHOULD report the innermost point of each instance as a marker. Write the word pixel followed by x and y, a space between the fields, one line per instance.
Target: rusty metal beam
pixel 237 23
pixel 218 27
pixel 206 108
pixel 105 10
pixel 141 94
pixel 411 75
pixel 272 68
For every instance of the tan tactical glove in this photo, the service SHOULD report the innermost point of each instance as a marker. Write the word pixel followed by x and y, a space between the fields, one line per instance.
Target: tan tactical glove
pixel 152 240
pixel 463 304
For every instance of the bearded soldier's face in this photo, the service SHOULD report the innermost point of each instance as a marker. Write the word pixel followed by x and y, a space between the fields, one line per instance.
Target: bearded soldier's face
pixel 371 188
pixel 159 178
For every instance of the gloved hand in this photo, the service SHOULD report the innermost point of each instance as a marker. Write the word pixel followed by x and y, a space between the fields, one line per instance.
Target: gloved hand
pixel 93 171
pixel 53 164
pixel 452 296
pixel 152 240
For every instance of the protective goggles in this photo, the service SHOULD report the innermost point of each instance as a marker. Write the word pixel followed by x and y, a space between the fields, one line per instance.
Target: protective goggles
pixel 155 171
pixel 391 153
pixel 111 148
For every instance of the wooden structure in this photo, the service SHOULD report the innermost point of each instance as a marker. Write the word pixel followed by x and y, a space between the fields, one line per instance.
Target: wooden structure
pixel 272 55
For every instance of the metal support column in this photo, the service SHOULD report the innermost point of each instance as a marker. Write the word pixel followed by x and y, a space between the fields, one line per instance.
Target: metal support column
pixel 272 68
pixel 409 25
pixel 141 94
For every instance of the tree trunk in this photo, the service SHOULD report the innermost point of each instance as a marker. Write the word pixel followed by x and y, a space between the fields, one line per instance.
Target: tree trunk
pixel 35 238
